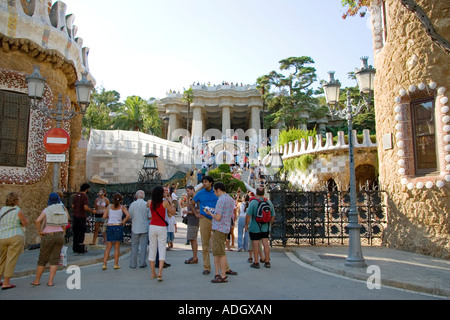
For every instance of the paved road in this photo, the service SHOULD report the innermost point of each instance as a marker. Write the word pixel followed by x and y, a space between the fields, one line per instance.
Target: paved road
pixel 288 279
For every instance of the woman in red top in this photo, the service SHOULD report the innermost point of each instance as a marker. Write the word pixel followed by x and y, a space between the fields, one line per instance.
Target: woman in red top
pixel 160 204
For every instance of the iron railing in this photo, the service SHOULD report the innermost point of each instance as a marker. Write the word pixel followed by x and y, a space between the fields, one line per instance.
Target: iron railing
pixel 321 217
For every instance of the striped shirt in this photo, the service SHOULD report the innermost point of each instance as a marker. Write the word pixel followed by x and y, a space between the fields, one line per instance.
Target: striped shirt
pixel 225 206
pixel 10 225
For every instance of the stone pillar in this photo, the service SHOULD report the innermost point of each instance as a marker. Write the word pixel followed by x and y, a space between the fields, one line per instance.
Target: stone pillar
pixel 226 119
pixel 197 122
pixel 172 125
pixel 255 118
pixel 197 133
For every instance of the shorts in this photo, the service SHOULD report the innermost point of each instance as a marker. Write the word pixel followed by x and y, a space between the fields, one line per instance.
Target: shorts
pixel 51 245
pixel 192 232
pixel 170 236
pixel 218 248
pixel 114 233
pixel 258 236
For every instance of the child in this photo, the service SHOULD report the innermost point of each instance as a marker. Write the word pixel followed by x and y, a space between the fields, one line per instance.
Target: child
pixel 171 229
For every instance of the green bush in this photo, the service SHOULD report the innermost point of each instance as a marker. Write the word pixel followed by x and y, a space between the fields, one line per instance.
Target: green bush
pixel 224 168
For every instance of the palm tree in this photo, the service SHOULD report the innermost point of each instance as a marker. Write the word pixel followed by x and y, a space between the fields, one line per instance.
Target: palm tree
pixel 188 97
pixel 131 116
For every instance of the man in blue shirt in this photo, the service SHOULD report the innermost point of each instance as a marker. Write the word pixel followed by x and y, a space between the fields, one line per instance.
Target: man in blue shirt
pixel 206 198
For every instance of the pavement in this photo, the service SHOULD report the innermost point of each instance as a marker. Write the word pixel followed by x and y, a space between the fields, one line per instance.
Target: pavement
pixel 400 269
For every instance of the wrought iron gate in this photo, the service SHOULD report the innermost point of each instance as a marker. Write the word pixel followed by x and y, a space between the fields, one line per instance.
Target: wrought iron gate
pixel 321 217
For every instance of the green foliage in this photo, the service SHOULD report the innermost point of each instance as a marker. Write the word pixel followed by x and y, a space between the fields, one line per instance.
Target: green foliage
pixel 135 114
pixel 299 163
pixel 224 168
pixel 138 115
pixel 287 95
pixel 232 184
pixel 291 135
pixel 354 7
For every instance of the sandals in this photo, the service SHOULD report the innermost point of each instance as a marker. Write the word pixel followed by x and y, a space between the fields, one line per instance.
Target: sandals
pixel 219 279
pixel 231 272
pixel 256 265
pixel 191 261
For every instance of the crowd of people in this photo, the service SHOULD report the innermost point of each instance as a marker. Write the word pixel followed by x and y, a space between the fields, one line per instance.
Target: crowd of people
pixel 211 210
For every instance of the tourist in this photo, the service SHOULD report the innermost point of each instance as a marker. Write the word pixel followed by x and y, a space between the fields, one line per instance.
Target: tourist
pixel 54 219
pixel 140 216
pixel 173 194
pixel 221 224
pixel 192 226
pixel 12 238
pixel 80 205
pixel 161 203
pixel 251 178
pixel 205 198
pixel 101 203
pixel 114 230
pixel 242 233
pixel 259 231
pixel 171 230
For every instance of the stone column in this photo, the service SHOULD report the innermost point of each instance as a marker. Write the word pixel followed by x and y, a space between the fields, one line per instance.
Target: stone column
pixel 172 125
pixel 226 119
pixel 255 118
pixel 197 133
pixel 197 122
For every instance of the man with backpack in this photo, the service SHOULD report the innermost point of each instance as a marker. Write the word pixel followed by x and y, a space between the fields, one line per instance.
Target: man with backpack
pixel 260 216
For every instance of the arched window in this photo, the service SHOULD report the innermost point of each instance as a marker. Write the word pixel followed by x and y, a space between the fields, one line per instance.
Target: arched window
pixel 14 125
pixel 424 136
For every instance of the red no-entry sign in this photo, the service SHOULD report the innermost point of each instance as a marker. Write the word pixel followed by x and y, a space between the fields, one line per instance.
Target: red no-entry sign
pixel 57 141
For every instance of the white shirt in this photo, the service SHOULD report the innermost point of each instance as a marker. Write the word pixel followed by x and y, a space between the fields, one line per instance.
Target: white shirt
pixel 172 222
pixel 115 216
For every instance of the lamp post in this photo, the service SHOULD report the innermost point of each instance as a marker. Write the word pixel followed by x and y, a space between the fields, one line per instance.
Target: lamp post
pixel 365 77
pixel 149 172
pixel 36 88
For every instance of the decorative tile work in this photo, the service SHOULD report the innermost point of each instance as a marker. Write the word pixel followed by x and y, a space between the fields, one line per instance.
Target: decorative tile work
pixel 12 19
pixel 36 165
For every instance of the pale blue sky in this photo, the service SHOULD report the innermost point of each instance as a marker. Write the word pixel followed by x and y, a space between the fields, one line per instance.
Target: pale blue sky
pixel 146 48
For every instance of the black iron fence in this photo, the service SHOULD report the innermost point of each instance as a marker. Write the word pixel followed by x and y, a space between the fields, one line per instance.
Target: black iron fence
pixel 322 217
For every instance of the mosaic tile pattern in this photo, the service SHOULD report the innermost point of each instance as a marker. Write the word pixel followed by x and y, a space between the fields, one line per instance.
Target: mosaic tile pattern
pixel 36 165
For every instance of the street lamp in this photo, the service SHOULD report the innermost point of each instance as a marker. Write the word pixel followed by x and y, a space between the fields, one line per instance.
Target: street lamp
pixel 365 77
pixel 36 88
pixel 149 172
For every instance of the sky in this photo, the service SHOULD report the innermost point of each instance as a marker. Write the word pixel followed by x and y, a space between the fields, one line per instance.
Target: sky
pixel 148 47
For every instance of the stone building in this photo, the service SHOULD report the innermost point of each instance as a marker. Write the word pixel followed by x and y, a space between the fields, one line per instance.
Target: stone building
pixel 37 33
pixel 330 165
pixel 220 108
pixel 413 122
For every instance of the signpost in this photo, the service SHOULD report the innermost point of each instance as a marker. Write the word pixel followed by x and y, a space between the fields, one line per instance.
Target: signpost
pixel 56 142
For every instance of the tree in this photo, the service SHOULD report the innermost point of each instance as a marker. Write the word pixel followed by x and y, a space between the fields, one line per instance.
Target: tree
pixel 188 98
pixel 138 115
pixel 288 95
pixel 98 113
